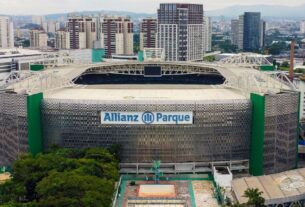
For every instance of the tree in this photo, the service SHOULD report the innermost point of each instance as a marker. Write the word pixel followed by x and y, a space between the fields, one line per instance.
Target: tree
pixel 255 198
pixel 62 178
pixel 285 64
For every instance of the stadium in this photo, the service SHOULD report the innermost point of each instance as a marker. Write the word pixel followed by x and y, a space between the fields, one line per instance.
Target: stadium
pixel 191 116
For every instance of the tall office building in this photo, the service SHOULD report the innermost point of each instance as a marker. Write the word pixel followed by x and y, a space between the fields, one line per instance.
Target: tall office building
pixel 117 36
pixel 248 32
pixel 62 39
pixel 148 33
pixel 234 31
pixel 207 34
pixel 180 33
pixel 82 32
pixel 38 39
pixel 6 33
pixel 252 31
pixel 302 26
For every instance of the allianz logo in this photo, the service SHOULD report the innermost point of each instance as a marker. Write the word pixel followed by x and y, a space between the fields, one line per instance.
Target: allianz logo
pixel 147 117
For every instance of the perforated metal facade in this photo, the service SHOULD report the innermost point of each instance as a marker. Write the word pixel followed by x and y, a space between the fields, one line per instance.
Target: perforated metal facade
pixel 13 127
pixel 281 125
pixel 221 130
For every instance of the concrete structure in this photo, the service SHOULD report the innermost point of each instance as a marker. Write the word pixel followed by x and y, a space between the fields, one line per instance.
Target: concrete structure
pixel 240 115
pixel 38 39
pixel 117 36
pixel 283 189
pixel 180 33
pixel 302 26
pixel 148 33
pixel 207 34
pixel 82 32
pixel 6 33
pixel 62 39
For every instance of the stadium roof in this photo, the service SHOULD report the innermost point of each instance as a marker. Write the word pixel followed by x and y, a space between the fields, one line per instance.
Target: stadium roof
pixel 157 93
pixel 245 80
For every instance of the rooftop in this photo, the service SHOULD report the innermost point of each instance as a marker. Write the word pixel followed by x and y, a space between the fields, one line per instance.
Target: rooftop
pixel 278 188
pixel 144 92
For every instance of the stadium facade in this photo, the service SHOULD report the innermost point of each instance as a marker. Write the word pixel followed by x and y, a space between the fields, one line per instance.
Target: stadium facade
pixel 169 111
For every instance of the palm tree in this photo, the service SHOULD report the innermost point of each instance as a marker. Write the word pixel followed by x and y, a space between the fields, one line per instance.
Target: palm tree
pixel 255 198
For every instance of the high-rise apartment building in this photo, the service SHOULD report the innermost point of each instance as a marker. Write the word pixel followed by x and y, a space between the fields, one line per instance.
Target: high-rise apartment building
pixel 302 26
pixel 62 39
pixel 180 31
pixel 262 33
pixel 248 32
pixel 38 39
pixel 82 32
pixel 117 36
pixel 148 33
pixel 6 33
pixel 40 20
pixel 234 31
pixel 207 34
pixel 240 32
pixel 51 27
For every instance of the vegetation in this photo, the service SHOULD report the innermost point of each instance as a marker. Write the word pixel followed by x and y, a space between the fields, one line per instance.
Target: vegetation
pixel 225 46
pixel 209 58
pixel 277 48
pixel 254 197
pixel 62 178
pixel 136 43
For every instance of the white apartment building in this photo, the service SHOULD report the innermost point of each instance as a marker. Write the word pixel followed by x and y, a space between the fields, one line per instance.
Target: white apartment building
pixel 82 32
pixel 6 33
pixel 38 39
pixel 207 34
pixel 62 39
pixel 117 36
pixel 180 31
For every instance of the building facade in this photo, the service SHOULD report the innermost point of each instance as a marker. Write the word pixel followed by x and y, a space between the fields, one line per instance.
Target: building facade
pixel 38 39
pixel 252 31
pixel 82 32
pixel 180 33
pixel 234 31
pixel 248 32
pixel 62 39
pixel 117 36
pixel 207 34
pixel 148 33
pixel 6 33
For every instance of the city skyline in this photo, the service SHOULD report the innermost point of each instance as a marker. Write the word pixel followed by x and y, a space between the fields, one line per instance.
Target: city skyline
pixel 42 7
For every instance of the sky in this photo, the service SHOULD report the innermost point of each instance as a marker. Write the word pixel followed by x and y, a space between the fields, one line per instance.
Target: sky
pixel 39 7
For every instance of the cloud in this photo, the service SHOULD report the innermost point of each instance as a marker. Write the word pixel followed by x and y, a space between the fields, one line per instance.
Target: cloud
pixel 147 6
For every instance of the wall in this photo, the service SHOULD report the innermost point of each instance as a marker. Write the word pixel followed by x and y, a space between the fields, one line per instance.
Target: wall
pixel 221 130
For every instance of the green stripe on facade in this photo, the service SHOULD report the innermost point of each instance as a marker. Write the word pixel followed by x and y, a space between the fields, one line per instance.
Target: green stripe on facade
pixel 258 133
pixel 34 123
